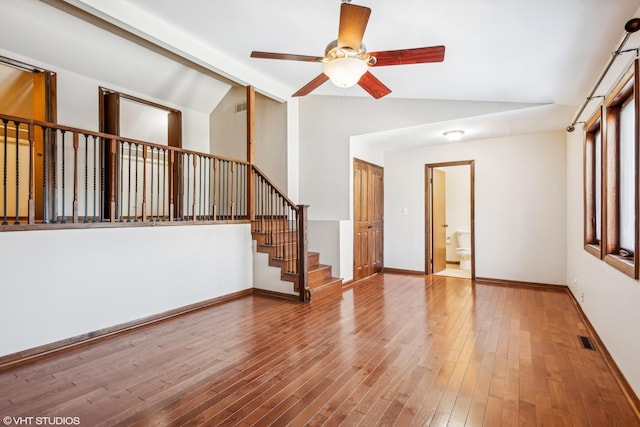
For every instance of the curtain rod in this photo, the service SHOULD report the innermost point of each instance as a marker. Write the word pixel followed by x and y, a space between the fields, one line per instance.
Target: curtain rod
pixel 630 27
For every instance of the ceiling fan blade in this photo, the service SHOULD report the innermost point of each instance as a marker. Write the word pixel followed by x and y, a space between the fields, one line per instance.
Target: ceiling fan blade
pixel 375 87
pixel 419 55
pixel 287 56
pixel 313 84
pixel 353 22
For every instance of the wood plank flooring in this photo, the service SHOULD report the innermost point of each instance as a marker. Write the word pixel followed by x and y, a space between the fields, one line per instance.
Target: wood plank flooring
pixel 397 350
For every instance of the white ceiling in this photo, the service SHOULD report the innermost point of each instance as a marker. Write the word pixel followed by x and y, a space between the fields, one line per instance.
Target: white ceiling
pixel 538 52
pixel 542 51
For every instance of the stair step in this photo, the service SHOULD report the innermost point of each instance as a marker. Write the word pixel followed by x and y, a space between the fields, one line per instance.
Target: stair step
pixel 318 274
pixel 281 246
pixel 287 251
pixel 313 259
pixel 329 291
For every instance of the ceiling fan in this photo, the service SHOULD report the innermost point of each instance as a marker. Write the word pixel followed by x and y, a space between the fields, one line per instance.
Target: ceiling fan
pixel 346 59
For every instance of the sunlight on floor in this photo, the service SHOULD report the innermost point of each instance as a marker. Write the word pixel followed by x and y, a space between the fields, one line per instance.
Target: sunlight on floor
pixel 453 270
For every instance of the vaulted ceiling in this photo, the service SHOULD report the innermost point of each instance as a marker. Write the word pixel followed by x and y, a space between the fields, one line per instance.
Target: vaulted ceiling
pixel 539 53
pixel 543 51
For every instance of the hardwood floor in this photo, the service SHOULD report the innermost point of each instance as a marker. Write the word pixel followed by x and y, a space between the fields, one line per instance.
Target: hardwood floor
pixel 397 350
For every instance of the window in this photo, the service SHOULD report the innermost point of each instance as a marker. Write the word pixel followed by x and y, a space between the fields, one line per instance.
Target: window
pixel 611 177
pixel 593 186
pixel 621 179
pixel 627 174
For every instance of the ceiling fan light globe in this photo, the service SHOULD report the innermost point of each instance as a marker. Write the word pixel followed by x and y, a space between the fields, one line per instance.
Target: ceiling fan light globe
pixel 345 72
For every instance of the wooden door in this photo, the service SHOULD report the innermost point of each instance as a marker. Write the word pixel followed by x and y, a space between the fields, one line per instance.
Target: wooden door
pixel 439 219
pixel 368 210
pixel 44 109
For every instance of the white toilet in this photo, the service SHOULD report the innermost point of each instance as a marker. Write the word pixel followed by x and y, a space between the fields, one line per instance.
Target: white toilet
pixel 464 249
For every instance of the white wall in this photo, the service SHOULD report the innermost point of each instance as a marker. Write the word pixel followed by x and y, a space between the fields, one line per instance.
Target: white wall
pixel 611 299
pixel 268 277
pixel 327 124
pixel 270 141
pixel 228 128
pixel 519 205
pixel 329 130
pixel 229 133
pixel 58 284
pixel 293 150
pixel 324 237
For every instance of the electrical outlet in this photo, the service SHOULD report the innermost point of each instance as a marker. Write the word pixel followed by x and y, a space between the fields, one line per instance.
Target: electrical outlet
pixel 581 297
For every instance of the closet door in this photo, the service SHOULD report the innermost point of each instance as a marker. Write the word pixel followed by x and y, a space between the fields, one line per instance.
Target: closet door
pixel 368 210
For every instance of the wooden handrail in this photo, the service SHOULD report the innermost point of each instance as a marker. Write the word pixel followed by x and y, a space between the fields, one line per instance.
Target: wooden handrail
pixel 281 220
pixel 34 123
pixel 282 193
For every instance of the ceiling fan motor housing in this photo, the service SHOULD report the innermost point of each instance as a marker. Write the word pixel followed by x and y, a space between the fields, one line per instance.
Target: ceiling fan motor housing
pixel 333 51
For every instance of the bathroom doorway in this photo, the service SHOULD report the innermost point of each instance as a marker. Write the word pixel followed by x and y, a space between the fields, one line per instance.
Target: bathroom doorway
pixel 449 219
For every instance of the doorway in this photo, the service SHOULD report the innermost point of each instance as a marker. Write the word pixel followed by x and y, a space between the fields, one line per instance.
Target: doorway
pixel 131 117
pixel 368 214
pixel 27 92
pixel 449 219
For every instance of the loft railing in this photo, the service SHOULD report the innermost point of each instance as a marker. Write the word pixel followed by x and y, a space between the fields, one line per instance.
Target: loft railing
pixel 56 176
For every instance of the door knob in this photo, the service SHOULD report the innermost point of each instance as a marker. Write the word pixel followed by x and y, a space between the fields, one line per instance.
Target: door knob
pixel 370 226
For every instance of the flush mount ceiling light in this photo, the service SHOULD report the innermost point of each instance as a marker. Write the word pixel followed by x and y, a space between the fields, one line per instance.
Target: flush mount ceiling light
pixel 454 135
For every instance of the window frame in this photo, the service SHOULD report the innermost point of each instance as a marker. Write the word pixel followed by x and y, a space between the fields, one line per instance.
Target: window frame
pixel 593 127
pixel 625 91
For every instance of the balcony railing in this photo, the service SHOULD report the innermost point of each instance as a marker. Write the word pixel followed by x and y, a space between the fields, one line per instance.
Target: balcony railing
pixel 56 176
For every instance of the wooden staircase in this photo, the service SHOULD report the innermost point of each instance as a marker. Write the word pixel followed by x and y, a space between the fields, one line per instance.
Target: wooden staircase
pixel 275 238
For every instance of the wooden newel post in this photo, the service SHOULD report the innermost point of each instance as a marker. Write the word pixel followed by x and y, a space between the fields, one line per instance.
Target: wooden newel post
pixel 303 271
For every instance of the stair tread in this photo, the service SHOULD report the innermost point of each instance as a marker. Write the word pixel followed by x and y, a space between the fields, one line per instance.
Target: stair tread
pixel 317 267
pixel 327 282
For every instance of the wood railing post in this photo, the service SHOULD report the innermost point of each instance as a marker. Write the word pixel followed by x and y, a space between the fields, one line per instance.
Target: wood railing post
pixel 303 273
pixel 75 177
pixel 144 183
pixel 216 182
pixel 232 197
pixel 171 184
pixel 31 209
pixel 113 179
pixel 195 181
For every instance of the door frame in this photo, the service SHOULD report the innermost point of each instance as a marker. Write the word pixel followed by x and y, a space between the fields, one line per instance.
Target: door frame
pixel 428 225
pixel 109 122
